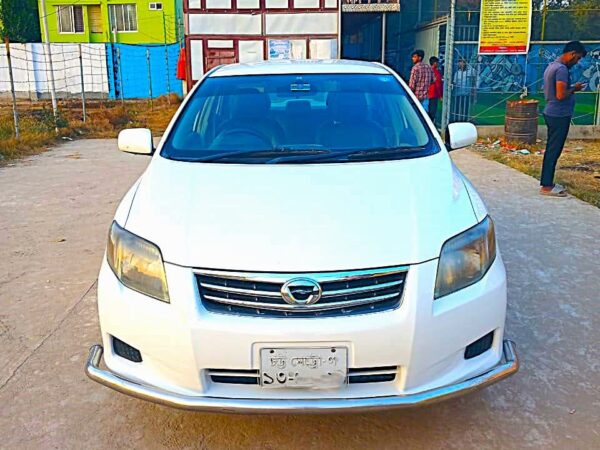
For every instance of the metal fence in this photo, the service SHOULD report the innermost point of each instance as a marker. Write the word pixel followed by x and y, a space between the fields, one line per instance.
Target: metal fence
pixel 142 71
pixel 78 74
pixel 482 84
pixel 73 69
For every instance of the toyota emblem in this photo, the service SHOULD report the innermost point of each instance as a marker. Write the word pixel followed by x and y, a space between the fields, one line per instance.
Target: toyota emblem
pixel 301 292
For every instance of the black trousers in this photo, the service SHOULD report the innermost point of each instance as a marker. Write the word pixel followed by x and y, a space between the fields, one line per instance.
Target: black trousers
pixel 433 107
pixel 558 128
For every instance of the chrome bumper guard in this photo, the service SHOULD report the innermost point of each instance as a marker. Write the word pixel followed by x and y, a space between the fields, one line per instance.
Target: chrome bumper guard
pixel 508 366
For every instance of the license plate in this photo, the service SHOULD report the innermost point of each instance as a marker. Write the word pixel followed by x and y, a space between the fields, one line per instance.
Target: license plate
pixel 312 368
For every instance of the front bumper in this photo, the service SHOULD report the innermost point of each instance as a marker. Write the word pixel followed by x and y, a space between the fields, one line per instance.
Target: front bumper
pixel 507 366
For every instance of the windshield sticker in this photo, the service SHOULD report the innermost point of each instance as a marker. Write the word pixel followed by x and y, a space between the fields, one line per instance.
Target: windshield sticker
pixel 303 87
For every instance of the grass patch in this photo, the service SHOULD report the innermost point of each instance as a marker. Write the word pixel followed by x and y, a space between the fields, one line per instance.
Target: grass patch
pixel 490 108
pixel 104 120
pixel 578 167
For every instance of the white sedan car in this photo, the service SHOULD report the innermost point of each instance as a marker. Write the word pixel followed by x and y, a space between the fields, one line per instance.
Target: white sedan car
pixel 301 242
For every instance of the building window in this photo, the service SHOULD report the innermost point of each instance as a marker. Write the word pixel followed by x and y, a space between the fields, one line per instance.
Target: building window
pixel 123 17
pixel 95 18
pixel 70 19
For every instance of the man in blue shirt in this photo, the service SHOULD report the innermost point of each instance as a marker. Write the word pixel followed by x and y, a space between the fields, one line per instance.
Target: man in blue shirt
pixel 560 105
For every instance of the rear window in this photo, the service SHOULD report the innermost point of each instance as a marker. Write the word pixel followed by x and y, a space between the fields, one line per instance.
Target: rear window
pixel 299 118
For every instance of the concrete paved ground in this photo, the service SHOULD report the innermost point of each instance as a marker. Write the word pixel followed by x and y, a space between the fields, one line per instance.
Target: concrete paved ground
pixel 55 210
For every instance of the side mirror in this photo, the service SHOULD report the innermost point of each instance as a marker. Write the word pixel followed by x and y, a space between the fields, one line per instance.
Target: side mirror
pixel 460 134
pixel 137 141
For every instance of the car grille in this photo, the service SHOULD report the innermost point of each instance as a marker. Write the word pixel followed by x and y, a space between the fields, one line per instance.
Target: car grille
pixel 355 376
pixel 343 293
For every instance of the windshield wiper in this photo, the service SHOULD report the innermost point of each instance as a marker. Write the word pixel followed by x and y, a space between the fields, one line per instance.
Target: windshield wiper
pixel 379 151
pixel 347 154
pixel 278 151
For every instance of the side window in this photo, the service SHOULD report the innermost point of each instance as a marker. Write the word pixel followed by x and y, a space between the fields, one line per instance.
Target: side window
pixel 381 113
pixel 223 110
pixel 202 116
pixel 209 118
pixel 374 103
pixel 123 18
pixel 191 123
pixel 70 19
pixel 408 127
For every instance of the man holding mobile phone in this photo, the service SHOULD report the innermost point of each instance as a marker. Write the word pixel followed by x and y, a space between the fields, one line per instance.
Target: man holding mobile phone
pixel 560 106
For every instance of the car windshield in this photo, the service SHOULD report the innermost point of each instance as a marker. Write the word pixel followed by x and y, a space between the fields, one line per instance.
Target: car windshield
pixel 299 119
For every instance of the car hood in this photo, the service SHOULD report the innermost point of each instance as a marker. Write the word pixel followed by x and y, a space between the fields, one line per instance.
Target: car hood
pixel 303 217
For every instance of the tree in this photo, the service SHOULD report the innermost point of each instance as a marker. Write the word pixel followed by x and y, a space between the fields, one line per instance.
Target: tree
pixel 19 20
pixel 555 20
pixel 586 18
pixel 566 19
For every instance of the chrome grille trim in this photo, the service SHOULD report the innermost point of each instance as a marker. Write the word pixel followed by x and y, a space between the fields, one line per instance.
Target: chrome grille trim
pixel 227 373
pixel 233 290
pixel 257 293
pixel 354 375
pixel 286 307
pixel 374 372
pixel 343 293
pixel 360 290
pixel 321 277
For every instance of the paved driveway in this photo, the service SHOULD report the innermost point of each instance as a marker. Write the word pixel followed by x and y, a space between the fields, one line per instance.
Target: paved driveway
pixel 54 215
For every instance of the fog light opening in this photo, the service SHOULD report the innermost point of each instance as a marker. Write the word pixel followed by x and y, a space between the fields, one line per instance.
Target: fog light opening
pixel 480 346
pixel 126 351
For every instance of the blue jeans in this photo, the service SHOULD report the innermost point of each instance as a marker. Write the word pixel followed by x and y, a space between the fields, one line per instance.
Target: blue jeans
pixel 425 103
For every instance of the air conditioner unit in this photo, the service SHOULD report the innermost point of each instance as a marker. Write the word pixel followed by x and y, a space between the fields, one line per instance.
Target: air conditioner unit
pixel 156 6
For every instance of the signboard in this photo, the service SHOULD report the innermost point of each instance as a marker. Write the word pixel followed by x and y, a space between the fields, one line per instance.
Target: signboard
pixel 370 6
pixel 287 49
pixel 280 49
pixel 505 27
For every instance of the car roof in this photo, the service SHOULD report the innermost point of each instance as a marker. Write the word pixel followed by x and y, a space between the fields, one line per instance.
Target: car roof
pixel 281 67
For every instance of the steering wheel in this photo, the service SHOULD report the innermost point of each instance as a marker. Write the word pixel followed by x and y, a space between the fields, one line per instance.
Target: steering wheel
pixel 228 133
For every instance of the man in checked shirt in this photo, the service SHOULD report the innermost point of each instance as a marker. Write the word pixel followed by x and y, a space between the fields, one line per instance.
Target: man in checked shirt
pixel 421 76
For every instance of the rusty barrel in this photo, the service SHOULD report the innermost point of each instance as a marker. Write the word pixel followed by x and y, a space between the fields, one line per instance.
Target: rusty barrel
pixel 521 122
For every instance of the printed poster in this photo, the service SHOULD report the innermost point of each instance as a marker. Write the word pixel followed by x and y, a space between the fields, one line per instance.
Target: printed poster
pixel 280 49
pixel 505 27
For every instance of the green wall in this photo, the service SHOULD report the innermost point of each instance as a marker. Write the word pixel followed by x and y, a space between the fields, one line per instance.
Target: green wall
pixel 150 23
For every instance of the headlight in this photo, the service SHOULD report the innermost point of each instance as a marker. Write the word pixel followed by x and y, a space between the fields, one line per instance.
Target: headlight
pixel 137 263
pixel 466 258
